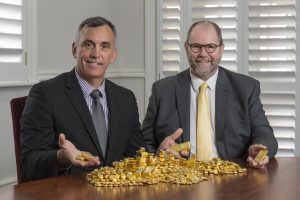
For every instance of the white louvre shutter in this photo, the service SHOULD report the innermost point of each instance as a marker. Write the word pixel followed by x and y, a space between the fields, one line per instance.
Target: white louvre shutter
pixel 11 40
pixel 224 13
pixel 272 60
pixel 169 54
pixel 173 28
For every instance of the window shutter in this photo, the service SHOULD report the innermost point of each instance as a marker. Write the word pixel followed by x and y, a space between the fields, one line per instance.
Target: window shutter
pixel 169 46
pixel 272 60
pixel 224 13
pixel 10 31
pixel 171 20
pixel 11 40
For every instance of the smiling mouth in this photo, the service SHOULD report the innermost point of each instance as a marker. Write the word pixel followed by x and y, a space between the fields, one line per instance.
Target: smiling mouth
pixel 94 63
pixel 202 61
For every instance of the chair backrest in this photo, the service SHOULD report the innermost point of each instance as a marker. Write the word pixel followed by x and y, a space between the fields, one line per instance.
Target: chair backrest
pixel 17 106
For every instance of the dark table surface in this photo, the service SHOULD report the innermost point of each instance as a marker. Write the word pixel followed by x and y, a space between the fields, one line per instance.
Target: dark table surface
pixel 280 180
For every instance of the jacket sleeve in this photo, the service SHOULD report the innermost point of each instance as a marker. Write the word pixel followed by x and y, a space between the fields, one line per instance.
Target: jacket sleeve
pixel 262 133
pixel 148 125
pixel 136 138
pixel 38 139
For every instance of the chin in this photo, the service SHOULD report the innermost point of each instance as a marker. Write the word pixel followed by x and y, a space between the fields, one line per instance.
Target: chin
pixel 96 70
pixel 97 75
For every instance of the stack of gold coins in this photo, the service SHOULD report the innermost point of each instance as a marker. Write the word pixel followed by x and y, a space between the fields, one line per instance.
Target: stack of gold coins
pixel 147 168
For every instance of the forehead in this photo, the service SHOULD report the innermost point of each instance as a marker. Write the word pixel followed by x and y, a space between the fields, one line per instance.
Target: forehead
pixel 97 34
pixel 204 34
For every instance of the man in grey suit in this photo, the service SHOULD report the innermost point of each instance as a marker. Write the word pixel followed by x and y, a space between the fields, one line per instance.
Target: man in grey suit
pixel 57 122
pixel 239 127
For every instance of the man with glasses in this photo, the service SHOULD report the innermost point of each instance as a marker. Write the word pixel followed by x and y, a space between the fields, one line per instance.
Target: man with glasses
pixel 235 126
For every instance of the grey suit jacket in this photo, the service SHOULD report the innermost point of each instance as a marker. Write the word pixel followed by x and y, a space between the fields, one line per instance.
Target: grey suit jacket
pixel 58 106
pixel 239 120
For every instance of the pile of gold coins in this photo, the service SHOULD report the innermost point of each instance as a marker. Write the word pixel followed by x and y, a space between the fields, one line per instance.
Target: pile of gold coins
pixel 84 155
pixel 148 168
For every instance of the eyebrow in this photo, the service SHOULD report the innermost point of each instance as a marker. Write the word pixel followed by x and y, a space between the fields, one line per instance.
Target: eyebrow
pixel 106 43
pixel 88 40
pixel 102 43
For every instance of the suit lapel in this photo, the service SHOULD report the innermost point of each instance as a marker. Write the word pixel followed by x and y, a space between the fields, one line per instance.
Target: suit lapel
pixel 183 102
pixel 75 94
pixel 114 116
pixel 223 89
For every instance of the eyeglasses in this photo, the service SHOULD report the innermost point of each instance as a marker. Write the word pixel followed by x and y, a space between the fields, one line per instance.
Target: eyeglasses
pixel 210 48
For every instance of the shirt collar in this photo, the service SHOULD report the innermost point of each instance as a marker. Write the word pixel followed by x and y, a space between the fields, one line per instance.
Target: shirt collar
pixel 86 87
pixel 211 82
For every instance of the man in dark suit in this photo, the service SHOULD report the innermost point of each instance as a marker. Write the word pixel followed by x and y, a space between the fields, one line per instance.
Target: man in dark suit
pixel 238 127
pixel 57 122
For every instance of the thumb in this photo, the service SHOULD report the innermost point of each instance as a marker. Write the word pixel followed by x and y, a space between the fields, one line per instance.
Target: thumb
pixel 61 139
pixel 176 134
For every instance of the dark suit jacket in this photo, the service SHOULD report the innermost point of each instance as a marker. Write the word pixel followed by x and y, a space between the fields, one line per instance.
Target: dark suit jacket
pixel 239 120
pixel 58 106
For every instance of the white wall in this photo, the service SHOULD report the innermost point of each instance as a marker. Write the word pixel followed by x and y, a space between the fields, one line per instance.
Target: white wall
pixel 57 21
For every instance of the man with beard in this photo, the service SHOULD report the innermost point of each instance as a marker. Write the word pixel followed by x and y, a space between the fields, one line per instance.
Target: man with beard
pixel 80 111
pixel 236 125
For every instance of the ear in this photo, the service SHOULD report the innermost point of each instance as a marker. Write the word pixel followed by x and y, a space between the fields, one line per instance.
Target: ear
pixel 114 55
pixel 74 49
pixel 222 48
pixel 186 46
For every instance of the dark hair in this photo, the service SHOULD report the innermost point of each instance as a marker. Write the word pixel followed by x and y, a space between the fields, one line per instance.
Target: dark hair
pixel 95 22
pixel 216 26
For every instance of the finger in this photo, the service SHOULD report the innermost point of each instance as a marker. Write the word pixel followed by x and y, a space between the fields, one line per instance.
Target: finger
pixel 61 139
pixel 251 162
pixel 255 148
pixel 91 163
pixel 166 143
pixel 258 147
pixel 176 134
pixel 265 161
pixel 97 161
pixel 87 163
pixel 184 153
pixel 173 153
pixel 259 165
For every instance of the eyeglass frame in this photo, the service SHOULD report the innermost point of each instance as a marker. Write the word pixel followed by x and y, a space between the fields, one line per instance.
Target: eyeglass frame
pixel 204 45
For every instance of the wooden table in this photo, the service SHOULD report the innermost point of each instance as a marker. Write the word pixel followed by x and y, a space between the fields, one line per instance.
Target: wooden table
pixel 280 180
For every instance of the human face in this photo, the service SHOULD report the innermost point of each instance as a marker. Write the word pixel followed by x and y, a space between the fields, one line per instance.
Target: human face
pixel 94 51
pixel 204 64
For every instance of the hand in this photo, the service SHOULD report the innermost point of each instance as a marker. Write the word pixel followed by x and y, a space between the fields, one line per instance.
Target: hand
pixel 253 151
pixel 67 154
pixel 170 141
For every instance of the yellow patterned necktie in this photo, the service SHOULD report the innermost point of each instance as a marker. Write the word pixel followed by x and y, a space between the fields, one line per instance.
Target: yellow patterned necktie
pixel 204 139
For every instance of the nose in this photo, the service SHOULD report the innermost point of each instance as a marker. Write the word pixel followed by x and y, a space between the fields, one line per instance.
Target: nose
pixel 96 52
pixel 202 51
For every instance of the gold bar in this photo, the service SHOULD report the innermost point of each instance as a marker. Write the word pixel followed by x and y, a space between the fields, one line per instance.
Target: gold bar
pixel 186 146
pixel 261 155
